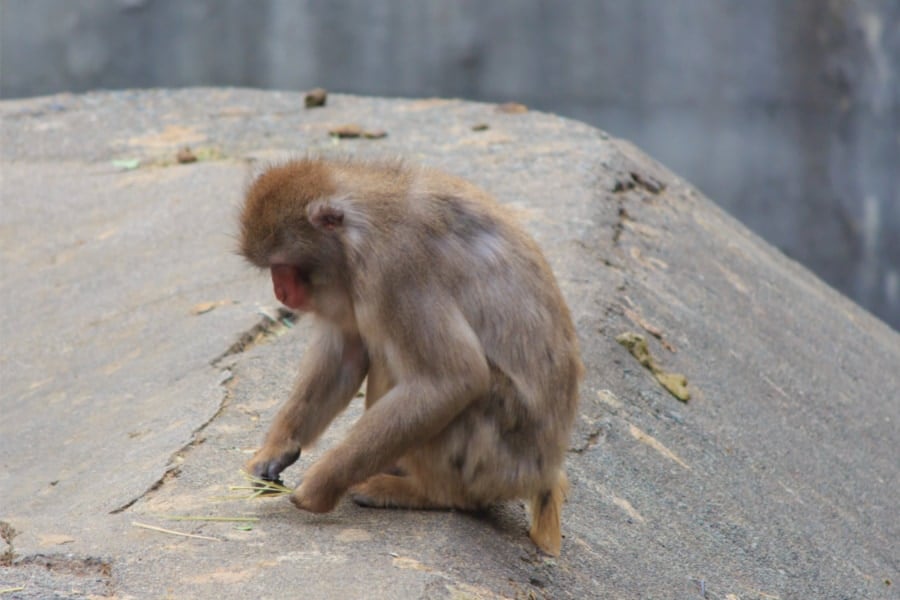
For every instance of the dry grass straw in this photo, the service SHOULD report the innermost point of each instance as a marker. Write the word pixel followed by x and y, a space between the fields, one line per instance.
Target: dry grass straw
pixel 217 519
pixel 172 532
pixel 260 487
pixel 256 488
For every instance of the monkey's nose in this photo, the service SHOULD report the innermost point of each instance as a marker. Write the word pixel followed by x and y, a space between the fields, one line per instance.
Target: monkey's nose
pixel 290 287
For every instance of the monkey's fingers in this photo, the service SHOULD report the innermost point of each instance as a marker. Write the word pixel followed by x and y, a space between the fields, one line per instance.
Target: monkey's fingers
pixel 270 470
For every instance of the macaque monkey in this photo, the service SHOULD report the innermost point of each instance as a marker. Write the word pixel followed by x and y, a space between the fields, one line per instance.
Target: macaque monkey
pixel 422 284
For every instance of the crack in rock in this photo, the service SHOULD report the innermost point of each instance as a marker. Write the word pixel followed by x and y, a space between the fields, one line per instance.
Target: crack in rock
pixel 177 457
pixel 589 441
pixel 41 575
pixel 269 327
pixel 634 180
pixel 7 534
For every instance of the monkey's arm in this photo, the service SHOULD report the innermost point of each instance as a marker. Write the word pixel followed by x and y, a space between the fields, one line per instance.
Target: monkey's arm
pixel 331 372
pixel 443 371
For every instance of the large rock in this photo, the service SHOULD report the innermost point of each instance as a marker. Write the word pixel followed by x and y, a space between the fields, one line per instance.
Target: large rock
pixel 138 372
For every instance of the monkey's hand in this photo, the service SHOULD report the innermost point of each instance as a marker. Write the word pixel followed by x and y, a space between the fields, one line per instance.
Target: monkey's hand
pixel 317 493
pixel 269 462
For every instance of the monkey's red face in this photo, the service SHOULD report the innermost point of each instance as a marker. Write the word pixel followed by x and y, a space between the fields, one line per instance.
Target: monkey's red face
pixel 291 286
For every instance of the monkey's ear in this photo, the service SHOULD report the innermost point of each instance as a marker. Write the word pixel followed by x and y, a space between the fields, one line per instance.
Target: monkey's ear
pixel 325 214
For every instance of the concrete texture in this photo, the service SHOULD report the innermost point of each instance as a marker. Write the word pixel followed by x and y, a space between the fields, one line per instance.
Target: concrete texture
pixel 138 372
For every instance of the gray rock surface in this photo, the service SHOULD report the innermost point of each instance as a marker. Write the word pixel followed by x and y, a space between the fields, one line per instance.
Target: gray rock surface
pixel 139 371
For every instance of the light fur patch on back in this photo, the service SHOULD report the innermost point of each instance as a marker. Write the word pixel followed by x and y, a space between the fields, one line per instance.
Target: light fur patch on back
pixel 489 247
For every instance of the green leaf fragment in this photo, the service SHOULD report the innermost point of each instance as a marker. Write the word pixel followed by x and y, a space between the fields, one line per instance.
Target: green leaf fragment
pixel 127 164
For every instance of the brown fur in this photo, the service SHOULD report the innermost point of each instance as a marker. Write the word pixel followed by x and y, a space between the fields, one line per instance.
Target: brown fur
pixel 420 281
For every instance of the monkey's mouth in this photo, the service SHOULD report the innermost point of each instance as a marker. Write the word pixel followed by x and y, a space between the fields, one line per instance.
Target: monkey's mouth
pixel 292 286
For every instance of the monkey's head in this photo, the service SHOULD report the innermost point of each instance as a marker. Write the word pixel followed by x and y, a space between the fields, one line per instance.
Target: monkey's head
pixel 288 225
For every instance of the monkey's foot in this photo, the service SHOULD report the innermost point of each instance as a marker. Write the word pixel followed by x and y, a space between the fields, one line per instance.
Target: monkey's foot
pixel 546 507
pixel 392 491
pixel 395 470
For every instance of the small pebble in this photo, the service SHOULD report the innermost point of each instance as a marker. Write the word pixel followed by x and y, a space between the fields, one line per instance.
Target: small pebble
pixel 316 97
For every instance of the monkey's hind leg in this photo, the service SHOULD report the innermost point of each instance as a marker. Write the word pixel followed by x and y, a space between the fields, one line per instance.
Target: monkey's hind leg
pixel 394 491
pixel 546 508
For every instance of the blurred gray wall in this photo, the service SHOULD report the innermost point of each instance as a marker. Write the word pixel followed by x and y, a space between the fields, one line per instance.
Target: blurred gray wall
pixel 786 112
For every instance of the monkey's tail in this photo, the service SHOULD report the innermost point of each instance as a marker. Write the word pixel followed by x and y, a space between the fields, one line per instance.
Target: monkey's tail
pixel 546 508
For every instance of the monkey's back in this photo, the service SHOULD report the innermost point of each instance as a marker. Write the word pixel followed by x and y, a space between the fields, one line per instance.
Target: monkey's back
pixel 517 435
pixel 498 279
